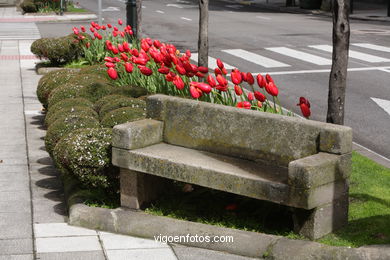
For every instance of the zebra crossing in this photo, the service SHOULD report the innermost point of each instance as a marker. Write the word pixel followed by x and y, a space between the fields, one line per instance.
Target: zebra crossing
pixel 289 57
pixel 19 31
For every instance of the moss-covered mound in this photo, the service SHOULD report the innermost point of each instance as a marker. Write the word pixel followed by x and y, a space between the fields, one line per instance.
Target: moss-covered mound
pixel 52 80
pixel 121 102
pixel 105 100
pixel 58 50
pixel 92 91
pixel 65 125
pixel 70 102
pixel 130 91
pixel 99 69
pixel 86 153
pixel 53 115
pixel 122 115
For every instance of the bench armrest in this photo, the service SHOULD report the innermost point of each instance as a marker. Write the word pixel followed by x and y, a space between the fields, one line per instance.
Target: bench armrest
pixel 318 169
pixel 137 134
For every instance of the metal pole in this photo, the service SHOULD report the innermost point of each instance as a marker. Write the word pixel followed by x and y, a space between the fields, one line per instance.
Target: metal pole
pixel 100 12
pixel 131 15
pixel 62 7
pixel 388 8
pixel 351 6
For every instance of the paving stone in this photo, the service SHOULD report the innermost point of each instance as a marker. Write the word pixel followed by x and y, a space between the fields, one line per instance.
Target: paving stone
pixel 114 241
pixel 95 255
pixel 193 253
pixel 67 244
pixel 12 185
pixel 17 257
pixel 141 254
pixel 16 206
pixel 16 246
pixel 61 230
pixel 6 196
pixel 15 225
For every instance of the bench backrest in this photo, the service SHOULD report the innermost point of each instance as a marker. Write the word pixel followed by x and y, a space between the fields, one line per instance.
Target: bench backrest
pixel 245 133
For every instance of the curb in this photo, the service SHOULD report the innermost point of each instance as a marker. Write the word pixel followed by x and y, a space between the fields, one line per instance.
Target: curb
pixel 65 17
pixel 249 244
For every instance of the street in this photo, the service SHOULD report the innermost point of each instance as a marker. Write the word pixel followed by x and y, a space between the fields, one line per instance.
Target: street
pixel 294 48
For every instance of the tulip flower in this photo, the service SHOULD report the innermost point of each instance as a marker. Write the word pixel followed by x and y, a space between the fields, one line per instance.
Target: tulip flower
pixel 112 73
pixel 76 31
pixel 145 70
pixel 92 29
pixel 88 44
pixel 135 52
pixel 109 64
pixel 236 77
pixel 244 104
pixel 250 79
pixel 82 28
pixel 181 70
pixel 195 92
pixel 203 69
pixel 222 88
pixel 261 81
pixel 109 25
pixel 238 90
pixel 124 57
pixel 188 53
pixel 224 71
pixel 272 89
pixel 221 80
pixel 120 22
pixel 243 76
pixel 157 44
pixel 126 46
pixel 163 70
pixel 120 48
pixel 206 88
pixel 104 27
pixel 178 82
pixel 211 81
pixel 170 76
pixel 217 71
pixel 250 96
pixel 269 79
pixel 304 104
pixel 260 96
pixel 114 50
pixel 109 59
pixel 129 67
pixel 220 64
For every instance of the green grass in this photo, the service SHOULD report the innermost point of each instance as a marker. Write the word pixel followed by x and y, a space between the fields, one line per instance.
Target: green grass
pixel 369 210
pixel 72 9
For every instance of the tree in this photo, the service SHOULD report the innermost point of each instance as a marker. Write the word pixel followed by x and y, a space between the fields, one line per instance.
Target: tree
pixel 203 41
pixel 338 73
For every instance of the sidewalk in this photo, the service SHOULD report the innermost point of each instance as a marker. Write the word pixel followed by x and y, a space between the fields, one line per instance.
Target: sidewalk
pixel 33 214
pixel 361 11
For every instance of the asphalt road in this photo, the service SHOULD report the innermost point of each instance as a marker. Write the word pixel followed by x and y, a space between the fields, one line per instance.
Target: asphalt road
pixel 292 47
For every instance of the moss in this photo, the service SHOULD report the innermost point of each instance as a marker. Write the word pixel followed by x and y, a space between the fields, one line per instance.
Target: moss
pixel 52 80
pixel 86 153
pixel 121 102
pixel 71 102
pixel 65 125
pixel 106 99
pixel 130 91
pixel 123 115
pixel 99 70
pixel 94 90
pixel 53 115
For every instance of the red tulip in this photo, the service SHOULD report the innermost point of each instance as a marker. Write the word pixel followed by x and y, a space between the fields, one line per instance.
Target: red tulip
pixel 211 81
pixel 120 48
pixel 221 80
pixel 76 31
pixel 304 104
pixel 129 67
pixel 170 76
pixel 206 88
pixel 203 69
pixel 244 104
pixel 224 71
pixel 135 52
pixel 104 27
pixel 261 81
pixel 120 22
pixel 250 79
pixel 163 70
pixel 112 73
pixel 250 96
pixel 217 71
pixel 88 44
pixel 188 53
pixel 268 78
pixel 222 88
pixel 178 82
pixel 243 76
pixel 92 29
pixel 109 25
pixel 195 93
pixel 260 96
pixel 126 46
pixel 272 89
pixel 124 57
pixel 236 77
pixel 220 64
pixel 115 33
pixel 157 44
pixel 238 90
pixel 109 64
pixel 199 74
pixel 109 59
pixel 114 50
pixel 181 70
pixel 145 70
pixel 82 28
pixel 116 29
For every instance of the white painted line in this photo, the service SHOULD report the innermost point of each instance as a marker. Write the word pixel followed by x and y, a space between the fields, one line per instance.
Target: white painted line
pixel 111 9
pixel 255 58
pixel 317 71
pixel 371 151
pixel 385 70
pixel 174 5
pixel 353 54
pixel 300 55
pixel 383 103
pixel 185 18
pixel 212 62
pixel 159 11
pixel 263 17
pixel 372 46
pixel 33 112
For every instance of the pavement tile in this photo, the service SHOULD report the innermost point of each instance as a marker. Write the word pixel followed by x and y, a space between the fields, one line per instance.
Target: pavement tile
pixel 16 246
pixel 15 225
pixel 67 244
pixel 14 185
pixel 95 255
pixel 23 206
pixel 61 230
pixel 141 254
pixel 6 196
pixel 115 241
pixel 17 257
pixel 194 253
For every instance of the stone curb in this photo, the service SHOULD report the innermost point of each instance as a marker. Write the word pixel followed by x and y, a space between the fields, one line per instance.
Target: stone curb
pixel 65 17
pixel 250 244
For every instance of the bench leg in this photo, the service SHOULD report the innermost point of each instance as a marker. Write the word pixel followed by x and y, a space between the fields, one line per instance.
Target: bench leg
pixel 138 188
pixel 322 220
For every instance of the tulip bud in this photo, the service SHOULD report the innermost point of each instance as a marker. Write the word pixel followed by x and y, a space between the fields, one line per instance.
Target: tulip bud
pixel 129 67
pixel 238 90
pixel 112 73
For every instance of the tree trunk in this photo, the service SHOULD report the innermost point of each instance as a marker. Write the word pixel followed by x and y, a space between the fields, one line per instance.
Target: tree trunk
pixel 203 41
pixel 338 74
pixel 139 19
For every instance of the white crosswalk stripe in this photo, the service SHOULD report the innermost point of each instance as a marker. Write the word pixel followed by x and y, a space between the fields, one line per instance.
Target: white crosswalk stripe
pixel 372 46
pixel 255 58
pixel 300 55
pixel 353 54
pixel 19 31
pixel 212 62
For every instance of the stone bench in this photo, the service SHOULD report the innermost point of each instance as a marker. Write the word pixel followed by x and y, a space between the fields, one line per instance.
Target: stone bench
pixel 300 163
